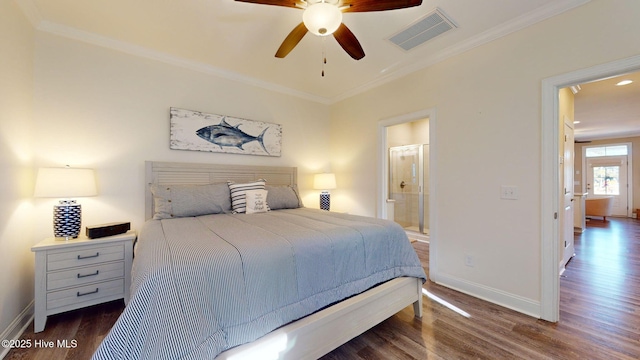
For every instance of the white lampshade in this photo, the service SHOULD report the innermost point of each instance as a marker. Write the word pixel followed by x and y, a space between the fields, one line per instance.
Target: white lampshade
pixel 326 181
pixel 322 19
pixel 65 183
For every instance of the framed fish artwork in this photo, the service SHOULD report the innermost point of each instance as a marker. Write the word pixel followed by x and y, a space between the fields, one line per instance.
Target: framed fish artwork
pixel 199 131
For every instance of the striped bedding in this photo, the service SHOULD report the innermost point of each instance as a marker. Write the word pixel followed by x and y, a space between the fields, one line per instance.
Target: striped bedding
pixel 201 285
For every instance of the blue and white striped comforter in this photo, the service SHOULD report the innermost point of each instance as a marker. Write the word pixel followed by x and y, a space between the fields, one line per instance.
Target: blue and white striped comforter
pixel 204 284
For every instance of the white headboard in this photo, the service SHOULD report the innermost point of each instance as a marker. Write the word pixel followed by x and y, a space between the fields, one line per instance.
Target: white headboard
pixel 169 173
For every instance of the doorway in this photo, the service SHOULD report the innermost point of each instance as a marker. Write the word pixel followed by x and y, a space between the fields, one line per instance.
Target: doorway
pixel 607 175
pixel 550 177
pixel 408 186
pixel 385 205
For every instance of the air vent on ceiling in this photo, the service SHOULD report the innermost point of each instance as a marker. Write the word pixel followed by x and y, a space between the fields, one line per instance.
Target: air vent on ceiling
pixel 423 30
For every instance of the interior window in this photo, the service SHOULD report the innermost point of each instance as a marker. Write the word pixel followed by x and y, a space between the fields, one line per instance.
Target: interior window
pixel 613 150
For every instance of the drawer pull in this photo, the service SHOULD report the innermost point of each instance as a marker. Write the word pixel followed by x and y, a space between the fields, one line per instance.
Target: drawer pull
pixel 88 293
pixel 87 275
pixel 88 257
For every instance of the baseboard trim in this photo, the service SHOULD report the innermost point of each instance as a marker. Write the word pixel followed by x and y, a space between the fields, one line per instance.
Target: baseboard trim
pixel 17 327
pixel 499 297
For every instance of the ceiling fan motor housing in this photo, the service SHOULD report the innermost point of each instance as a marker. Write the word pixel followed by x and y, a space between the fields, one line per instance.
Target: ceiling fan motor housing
pixel 322 18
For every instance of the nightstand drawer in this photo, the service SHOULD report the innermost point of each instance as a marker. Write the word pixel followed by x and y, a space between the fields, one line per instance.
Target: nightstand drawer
pixel 82 257
pixel 85 293
pixel 84 275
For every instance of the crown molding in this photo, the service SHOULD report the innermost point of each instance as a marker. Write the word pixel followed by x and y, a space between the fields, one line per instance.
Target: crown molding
pixel 33 14
pixel 492 34
pixel 136 50
pixel 31 11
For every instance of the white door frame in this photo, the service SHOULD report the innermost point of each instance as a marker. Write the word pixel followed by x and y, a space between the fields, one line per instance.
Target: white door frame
pixel 383 171
pixel 550 180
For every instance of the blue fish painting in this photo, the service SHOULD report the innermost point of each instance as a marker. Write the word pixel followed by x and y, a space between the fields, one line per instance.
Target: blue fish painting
pixel 224 134
pixel 200 131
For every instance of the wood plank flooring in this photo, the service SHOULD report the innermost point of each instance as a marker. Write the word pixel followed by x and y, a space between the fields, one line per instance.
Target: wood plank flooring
pixel 86 326
pixel 599 315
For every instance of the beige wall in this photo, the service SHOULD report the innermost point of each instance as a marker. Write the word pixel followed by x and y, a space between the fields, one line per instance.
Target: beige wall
pixel 16 82
pixel 103 109
pixel 69 102
pixel 635 144
pixel 415 132
pixel 487 134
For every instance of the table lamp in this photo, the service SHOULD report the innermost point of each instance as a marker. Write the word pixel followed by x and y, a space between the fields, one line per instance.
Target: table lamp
pixel 324 182
pixel 66 183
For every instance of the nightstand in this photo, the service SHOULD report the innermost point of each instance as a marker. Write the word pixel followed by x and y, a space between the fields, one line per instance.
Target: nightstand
pixel 80 272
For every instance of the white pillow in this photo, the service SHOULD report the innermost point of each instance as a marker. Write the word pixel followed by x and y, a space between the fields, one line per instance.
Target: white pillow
pixel 238 198
pixel 256 201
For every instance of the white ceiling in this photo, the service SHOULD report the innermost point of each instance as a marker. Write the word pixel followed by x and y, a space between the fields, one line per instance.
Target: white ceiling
pixel 238 40
pixel 606 110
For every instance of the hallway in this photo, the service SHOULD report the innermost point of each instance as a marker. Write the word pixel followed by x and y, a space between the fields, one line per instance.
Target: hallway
pixel 600 289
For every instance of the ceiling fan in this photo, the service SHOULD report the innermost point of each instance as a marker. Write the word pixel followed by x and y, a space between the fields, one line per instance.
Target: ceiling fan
pixel 324 17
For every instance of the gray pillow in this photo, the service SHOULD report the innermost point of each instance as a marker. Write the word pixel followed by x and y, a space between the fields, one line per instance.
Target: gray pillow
pixel 283 197
pixel 190 200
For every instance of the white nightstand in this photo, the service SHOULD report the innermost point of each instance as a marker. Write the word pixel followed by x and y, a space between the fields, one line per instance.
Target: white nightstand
pixel 80 272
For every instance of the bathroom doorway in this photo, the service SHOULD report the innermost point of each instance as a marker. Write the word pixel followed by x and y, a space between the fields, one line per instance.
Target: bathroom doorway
pixel 408 177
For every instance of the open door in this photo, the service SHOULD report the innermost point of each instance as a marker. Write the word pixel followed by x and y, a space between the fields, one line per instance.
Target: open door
pixel 568 250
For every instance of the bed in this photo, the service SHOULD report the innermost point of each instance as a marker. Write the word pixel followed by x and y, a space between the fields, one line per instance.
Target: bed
pixel 288 283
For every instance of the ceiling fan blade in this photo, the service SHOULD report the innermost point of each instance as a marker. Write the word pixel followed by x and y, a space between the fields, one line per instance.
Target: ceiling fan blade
pixel 348 41
pixel 291 40
pixel 285 3
pixel 377 5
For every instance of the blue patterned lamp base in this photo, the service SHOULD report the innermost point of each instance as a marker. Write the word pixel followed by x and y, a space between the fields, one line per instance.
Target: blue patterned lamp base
pixel 67 219
pixel 325 201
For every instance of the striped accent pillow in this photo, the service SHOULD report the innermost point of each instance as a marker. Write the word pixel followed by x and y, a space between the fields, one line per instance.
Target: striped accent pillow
pixel 239 196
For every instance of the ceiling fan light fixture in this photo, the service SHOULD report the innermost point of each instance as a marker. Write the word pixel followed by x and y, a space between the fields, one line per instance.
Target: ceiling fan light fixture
pixel 322 18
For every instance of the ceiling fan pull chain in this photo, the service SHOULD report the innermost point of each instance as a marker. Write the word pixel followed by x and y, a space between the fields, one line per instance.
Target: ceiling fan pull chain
pixel 324 55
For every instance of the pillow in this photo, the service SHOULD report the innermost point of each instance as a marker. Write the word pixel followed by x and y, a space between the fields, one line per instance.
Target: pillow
pixel 283 197
pixel 238 194
pixel 190 200
pixel 256 201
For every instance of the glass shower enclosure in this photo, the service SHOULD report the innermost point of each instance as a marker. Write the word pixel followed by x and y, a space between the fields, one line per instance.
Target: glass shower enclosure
pixel 409 186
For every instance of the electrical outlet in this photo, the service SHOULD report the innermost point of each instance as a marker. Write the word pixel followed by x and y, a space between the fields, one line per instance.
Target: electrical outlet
pixel 468 260
pixel 509 192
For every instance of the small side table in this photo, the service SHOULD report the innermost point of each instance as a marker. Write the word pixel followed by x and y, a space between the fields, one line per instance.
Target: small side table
pixel 80 272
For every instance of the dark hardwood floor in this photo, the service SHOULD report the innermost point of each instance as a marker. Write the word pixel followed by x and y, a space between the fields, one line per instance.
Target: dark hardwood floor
pixel 87 327
pixel 599 315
